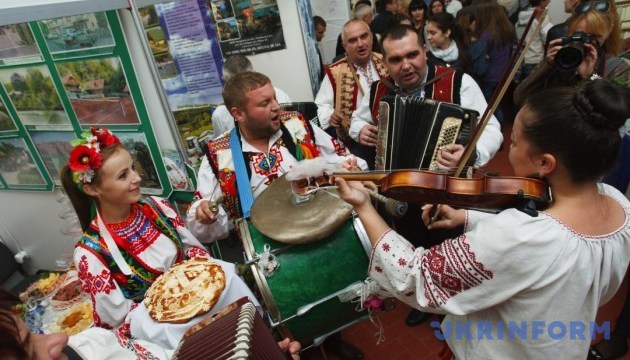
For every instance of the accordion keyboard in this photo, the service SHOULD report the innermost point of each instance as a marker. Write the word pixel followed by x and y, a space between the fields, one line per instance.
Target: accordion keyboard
pixel 448 135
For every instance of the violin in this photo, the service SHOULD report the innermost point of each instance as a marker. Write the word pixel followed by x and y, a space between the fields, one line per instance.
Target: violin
pixel 485 192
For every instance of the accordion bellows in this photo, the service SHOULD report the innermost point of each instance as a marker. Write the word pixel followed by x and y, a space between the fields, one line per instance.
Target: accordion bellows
pixel 237 332
pixel 411 130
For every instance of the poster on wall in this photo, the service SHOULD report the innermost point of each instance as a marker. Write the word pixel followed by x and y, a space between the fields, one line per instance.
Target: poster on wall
pixel 144 165
pixel 182 39
pixel 247 27
pixel 77 32
pixel 98 91
pixel 34 96
pixel 310 42
pixel 54 149
pixel 17 45
pixel 17 165
pixel 6 123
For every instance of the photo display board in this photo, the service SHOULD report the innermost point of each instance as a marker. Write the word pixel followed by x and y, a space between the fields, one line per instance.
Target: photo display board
pixel 189 39
pixel 58 78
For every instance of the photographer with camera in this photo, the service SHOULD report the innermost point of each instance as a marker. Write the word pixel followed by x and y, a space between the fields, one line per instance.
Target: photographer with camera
pixel 590 50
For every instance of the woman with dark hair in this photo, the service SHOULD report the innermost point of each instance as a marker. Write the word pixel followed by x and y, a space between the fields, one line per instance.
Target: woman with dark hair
pixel 435 7
pixel 446 48
pixel 128 240
pixel 496 34
pixel 418 13
pixel 479 60
pixel 545 271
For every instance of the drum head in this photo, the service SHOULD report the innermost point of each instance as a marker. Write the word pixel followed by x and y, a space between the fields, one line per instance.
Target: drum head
pixel 276 214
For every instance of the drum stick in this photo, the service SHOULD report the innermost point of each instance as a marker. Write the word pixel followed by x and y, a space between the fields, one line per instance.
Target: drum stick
pixel 393 207
pixel 214 205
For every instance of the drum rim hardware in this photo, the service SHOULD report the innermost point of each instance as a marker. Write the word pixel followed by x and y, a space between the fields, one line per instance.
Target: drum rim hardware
pixel 274 315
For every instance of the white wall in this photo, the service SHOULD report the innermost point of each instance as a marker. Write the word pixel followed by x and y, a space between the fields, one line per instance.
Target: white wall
pixel 288 68
pixel 336 13
pixel 31 218
pixel 556 13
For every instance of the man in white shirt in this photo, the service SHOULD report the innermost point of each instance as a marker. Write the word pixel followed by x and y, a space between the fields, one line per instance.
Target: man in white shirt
pixel 222 120
pixel 266 141
pixel 349 79
pixel 405 58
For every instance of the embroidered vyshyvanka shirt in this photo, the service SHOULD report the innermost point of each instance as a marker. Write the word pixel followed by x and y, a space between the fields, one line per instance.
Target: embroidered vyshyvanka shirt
pixel 114 295
pixel 509 268
pixel 264 168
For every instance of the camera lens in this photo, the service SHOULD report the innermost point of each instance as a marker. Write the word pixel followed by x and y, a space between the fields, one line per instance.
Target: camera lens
pixel 569 57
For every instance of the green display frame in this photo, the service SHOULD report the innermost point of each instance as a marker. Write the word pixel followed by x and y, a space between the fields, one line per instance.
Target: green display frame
pixel 127 104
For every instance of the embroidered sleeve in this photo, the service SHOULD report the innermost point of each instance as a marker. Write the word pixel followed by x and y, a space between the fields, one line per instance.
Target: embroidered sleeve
pixel 207 189
pixel 479 269
pixel 108 302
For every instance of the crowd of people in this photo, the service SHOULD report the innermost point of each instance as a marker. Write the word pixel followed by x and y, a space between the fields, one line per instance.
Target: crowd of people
pixel 471 266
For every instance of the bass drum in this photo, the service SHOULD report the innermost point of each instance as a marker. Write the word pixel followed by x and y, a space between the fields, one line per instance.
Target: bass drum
pixel 302 294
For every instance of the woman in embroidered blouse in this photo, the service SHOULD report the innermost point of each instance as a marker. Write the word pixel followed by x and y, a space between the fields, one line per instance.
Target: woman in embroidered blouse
pixel 128 240
pixel 512 267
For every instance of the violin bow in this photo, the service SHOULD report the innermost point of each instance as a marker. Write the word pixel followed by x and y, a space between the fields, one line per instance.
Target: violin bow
pixel 499 92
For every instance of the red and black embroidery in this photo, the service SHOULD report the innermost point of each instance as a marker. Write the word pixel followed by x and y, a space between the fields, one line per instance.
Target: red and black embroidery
pixel 449 269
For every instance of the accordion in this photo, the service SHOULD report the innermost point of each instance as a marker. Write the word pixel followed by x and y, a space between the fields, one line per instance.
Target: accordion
pixel 411 131
pixel 236 332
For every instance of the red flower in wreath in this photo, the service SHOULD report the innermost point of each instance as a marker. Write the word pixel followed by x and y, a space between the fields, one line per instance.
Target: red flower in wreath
pixel 83 158
pixel 149 212
pixel 105 137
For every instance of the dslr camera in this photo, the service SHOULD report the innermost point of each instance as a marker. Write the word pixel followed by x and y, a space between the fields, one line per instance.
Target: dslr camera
pixel 571 54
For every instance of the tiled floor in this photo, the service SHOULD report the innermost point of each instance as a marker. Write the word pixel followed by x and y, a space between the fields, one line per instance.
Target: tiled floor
pixel 402 342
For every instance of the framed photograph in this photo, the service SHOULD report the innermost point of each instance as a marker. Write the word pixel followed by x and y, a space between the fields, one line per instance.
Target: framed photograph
pixel 255 26
pixel 6 122
pixel 221 9
pixel 149 16
pixel 17 45
pixel 176 170
pixel 157 40
pixel 228 30
pixel 34 97
pixel 166 66
pixel 77 32
pixel 17 165
pixel 54 149
pixel 138 147
pixel 98 91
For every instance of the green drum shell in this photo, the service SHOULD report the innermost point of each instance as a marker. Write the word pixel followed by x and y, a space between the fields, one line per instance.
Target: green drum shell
pixel 308 273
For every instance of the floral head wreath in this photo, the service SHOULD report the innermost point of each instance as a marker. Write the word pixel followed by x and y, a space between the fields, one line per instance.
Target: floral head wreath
pixel 86 156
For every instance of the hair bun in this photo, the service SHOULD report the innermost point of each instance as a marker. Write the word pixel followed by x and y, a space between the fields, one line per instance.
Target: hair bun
pixel 595 105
